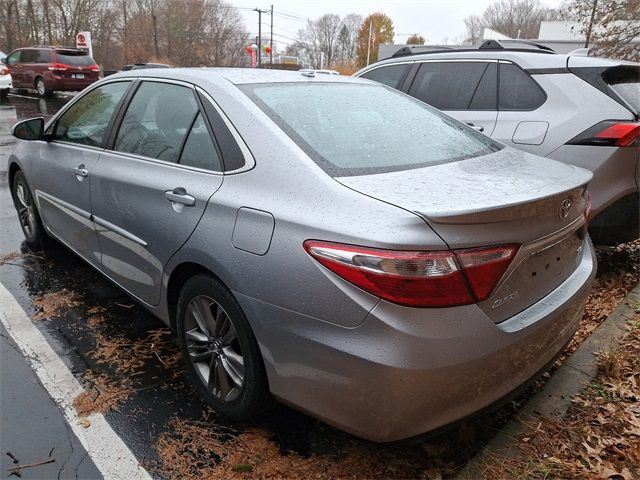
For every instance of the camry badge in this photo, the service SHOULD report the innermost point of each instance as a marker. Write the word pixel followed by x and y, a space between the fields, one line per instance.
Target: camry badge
pixel 565 207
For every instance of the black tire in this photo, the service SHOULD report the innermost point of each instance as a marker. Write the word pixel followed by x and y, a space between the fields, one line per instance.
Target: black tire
pixel 28 216
pixel 240 403
pixel 41 87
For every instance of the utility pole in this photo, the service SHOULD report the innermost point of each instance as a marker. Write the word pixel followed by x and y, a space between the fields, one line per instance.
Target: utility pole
pixel 271 39
pixel 369 44
pixel 260 12
pixel 593 15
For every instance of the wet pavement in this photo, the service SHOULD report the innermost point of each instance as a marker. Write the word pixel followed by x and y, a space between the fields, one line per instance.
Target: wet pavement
pixel 130 366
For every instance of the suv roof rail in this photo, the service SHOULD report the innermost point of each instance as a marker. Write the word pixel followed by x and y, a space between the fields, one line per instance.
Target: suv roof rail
pixel 422 49
pixel 503 45
pixel 527 46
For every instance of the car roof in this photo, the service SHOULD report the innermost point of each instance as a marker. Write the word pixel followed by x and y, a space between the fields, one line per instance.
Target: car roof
pixel 525 59
pixel 235 76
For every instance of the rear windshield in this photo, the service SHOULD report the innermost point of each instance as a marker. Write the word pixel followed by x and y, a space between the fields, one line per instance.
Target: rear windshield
pixel 75 59
pixel 358 129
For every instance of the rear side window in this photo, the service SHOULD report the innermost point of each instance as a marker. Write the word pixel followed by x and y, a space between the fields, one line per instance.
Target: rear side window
pixel 86 120
pixel 199 150
pixel 157 121
pixel 624 80
pixel 75 59
pixel 44 56
pixel 517 90
pixel 447 85
pixel 392 76
pixel 360 129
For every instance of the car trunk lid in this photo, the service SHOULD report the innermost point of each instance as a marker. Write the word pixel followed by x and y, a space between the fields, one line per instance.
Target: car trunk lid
pixel 502 198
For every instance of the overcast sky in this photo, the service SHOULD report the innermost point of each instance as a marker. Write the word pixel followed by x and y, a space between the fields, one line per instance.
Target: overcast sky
pixel 439 21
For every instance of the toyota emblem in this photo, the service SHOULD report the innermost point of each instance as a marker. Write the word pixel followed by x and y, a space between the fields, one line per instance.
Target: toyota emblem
pixel 565 207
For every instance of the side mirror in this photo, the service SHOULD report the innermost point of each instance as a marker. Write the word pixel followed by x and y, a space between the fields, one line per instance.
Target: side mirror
pixel 31 129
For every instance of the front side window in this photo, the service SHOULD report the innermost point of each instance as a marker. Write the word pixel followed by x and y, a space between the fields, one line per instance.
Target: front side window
pixel 360 129
pixel 517 90
pixel 14 57
pixel 392 76
pixel 447 85
pixel 157 121
pixel 86 120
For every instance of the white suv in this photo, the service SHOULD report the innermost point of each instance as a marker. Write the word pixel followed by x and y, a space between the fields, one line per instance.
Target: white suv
pixel 5 78
pixel 572 108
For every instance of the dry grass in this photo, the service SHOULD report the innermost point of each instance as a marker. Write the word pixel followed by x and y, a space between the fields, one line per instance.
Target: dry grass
pixel 101 396
pixel 600 436
pixel 53 304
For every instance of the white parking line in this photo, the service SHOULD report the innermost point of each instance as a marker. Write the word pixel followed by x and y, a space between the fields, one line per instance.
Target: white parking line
pixel 107 450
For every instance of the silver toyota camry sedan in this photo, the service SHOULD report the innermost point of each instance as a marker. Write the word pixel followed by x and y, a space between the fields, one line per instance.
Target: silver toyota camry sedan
pixel 329 242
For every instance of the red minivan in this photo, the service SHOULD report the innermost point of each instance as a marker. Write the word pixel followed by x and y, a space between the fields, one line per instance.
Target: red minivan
pixel 48 69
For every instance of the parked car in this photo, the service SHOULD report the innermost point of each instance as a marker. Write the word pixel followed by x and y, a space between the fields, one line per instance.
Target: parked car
pixel 50 69
pixel 138 66
pixel 579 110
pixel 5 78
pixel 301 240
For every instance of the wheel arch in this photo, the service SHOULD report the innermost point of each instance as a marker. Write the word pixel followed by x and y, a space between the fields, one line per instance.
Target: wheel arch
pixel 13 168
pixel 179 275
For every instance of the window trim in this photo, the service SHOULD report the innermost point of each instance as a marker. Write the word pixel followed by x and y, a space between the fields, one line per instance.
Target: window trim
pixel 115 128
pixel 403 78
pixel 460 60
pixel 544 93
pixel 249 159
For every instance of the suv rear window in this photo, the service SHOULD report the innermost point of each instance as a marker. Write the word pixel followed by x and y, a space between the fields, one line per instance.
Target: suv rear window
pixel 358 129
pixel 74 59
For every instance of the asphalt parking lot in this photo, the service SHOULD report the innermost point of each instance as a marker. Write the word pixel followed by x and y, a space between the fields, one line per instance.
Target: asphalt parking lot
pixel 129 365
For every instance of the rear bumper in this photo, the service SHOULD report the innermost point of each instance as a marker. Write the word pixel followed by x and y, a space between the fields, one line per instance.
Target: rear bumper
pixel 55 82
pixel 405 371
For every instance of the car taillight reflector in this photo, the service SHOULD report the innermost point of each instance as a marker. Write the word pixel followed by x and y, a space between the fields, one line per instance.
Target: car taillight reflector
pixel 58 67
pixel 4 71
pixel 484 267
pixel 609 134
pixel 94 68
pixel 417 279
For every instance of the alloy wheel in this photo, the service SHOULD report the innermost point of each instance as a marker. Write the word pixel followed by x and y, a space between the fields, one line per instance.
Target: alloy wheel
pixel 214 348
pixel 41 87
pixel 26 212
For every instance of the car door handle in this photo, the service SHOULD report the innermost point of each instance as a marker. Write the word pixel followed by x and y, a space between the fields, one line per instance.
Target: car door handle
pixel 81 172
pixel 479 128
pixel 179 195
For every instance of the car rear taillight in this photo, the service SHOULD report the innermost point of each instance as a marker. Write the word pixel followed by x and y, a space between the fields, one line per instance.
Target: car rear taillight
pixel 94 68
pixel 4 71
pixel 609 134
pixel 58 67
pixel 414 278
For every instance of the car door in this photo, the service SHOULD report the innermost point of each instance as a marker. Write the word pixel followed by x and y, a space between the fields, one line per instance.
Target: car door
pixel 153 184
pixel 13 61
pixel 521 122
pixel 464 89
pixel 64 165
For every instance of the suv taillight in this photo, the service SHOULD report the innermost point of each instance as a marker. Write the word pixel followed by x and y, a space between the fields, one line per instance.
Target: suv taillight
pixel 414 278
pixel 610 133
pixel 94 68
pixel 4 70
pixel 58 67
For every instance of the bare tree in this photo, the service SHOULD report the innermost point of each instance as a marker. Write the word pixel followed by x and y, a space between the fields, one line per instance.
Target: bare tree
pixel 319 38
pixel 513 18
pixel 615 28
pixel 474 30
